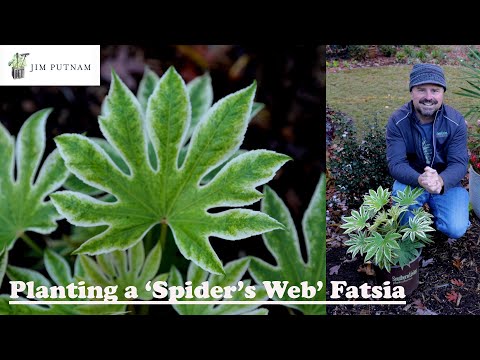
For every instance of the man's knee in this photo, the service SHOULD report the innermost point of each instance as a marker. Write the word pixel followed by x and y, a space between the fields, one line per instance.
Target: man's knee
pixel 454 230
pixel 452 212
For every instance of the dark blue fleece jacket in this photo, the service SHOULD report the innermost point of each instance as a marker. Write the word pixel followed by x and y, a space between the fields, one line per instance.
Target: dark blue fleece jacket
pixel 404 150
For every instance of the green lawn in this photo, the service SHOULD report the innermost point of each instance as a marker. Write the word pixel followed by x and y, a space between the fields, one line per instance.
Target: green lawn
pixel 366 93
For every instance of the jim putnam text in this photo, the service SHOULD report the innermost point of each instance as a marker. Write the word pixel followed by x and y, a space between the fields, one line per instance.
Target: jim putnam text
pixel 60 67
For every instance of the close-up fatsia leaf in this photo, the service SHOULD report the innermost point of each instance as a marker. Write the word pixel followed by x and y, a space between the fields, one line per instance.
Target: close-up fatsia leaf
pixel 234 271
pixel 285 247
pixel 160 190
pixel 23 192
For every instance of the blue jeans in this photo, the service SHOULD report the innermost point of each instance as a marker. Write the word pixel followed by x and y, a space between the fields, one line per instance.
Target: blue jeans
pixel 450 210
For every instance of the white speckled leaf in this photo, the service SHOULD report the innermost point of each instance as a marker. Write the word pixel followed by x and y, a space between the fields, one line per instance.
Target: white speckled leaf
pixel 123 268
pixel 285 247
pixel 146 87
pixel 3 265
pixel 61 274
pixel 22 200
pixel 234 271
pixel 200 92
pixel 58 268
pixel 75 184
pixel 161 192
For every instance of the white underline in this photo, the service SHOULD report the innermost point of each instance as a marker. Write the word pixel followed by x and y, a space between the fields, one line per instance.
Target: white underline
pixel 213 302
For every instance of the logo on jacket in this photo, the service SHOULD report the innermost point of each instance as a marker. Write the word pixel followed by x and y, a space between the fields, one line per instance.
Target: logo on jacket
pixel 441 134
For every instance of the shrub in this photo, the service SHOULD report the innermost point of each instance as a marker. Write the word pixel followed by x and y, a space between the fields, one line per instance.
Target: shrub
pixel 400 56
pixel 357 52
pixel 409 51
pixel 438 54
pixel 358 165
pixel 421 55
pixel 388 50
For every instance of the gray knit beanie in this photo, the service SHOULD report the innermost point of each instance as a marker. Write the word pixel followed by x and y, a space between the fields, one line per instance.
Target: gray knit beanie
pixel 427 74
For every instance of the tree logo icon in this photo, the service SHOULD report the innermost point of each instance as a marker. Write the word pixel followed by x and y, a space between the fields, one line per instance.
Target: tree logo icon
pixel 18 64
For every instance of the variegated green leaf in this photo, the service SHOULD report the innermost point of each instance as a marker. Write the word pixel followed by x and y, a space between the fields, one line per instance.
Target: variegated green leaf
pixel 408 196
pixel 256 108
pixel 75 184
pixel 357 221
pixel 22 198
pixel 60 272
pixel 146 87
pixel 376 200
pixel 58 268
pixel 234 271
pixel 166 194
pixel 123 269
pixel 15 273
pixel 356 243
pixel 407 252
pixel 200 93
pixel 285 247
pixel 3 265
pixel 7 309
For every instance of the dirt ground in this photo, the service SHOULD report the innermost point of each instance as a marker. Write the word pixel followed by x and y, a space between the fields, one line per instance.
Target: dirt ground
pixel 449 278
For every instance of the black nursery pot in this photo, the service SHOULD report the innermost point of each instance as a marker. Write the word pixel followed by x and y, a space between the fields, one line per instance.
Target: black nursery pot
pixel 18 73
pixel 407 277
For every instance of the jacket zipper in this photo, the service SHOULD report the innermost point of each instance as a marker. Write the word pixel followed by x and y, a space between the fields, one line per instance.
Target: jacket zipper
pixel 433 139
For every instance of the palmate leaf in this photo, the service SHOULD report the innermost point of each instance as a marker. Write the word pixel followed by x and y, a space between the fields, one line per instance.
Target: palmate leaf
pixel 169 194
pixel 234 271
pixel 417 228
pixel 381 248
pixel 61 275
pixel 284 246
pixel 408 196
pixel 376 200
pixel 200 93
pixel 357 221
pixel 407 252
pixel 122 268
pixel 22 200
pixel 356 243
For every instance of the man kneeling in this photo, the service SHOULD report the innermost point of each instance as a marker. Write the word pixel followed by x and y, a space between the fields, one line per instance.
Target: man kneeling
pixel 427 147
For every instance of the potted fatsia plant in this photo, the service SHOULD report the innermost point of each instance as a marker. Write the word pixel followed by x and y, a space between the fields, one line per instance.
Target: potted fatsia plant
pixel 375 230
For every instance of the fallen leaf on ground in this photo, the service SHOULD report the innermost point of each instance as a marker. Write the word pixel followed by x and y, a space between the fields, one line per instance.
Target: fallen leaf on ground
pixel 427 262
pixel 457 262
pixel 426 312
pixel 334 269
pixel 350 260
pixel 451 241
pixel 418 304
pixel 457 282
pixel 458 299
pixel 452 296
pixel 367 269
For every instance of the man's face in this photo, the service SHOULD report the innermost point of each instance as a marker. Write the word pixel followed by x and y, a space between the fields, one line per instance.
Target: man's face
pixel 427 98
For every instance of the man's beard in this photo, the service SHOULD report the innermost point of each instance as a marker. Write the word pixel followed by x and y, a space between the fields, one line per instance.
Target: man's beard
pixel 430 111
